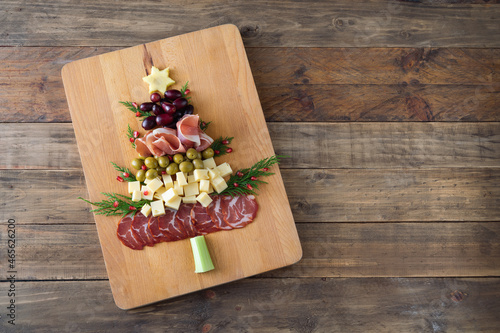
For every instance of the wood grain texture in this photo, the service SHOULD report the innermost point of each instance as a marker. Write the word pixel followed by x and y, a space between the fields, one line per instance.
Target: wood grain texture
pixel 299 84
pixel 214 60
pixel 55 252
pixel 270 305
pixel 335 195
pixel 322 145
pixel 261 23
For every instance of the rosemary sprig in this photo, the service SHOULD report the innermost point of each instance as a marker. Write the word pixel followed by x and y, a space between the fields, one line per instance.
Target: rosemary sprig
pixel 130 135
pixel 204 125
pixel 132 107
pixel 245 181
pixel 183 91
pixel 116 204
pixel 124 171
pixel 220 145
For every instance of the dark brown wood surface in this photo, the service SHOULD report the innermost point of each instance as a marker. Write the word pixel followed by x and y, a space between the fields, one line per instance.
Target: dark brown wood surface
pixel 389 111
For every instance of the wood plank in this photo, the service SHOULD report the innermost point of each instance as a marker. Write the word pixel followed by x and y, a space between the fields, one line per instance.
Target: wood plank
pixel 354 84
pixel 330 250
pixel 334 195
pixel 269 305
pixel 283 23
pixel 309 145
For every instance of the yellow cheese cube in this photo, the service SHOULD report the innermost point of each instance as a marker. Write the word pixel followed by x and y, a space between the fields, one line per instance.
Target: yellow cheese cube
pixel 169 194
pixel 210 189
pixel 155 184
pixel 158 208
pixel 200 174
pixel 219 184
pixel 147 181
pixel 181 178
pixel 174 203
pixel 178 189
pixel 224 169
pixel 147 193
pixel 191 189
pixel 167 181
pixel 191 199
pixel 133 186
pixel 213 173
pixel 204 185
pixel 191 179
pixel 209 163
pixel 159 192
pixel 146 210
pixel 136 196
pixel 204 199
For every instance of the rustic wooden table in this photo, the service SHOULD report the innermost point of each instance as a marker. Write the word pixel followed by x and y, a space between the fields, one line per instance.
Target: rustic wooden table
pixel 389 111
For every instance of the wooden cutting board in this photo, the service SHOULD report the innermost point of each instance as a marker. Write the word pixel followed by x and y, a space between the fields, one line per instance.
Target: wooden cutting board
pixel 223 91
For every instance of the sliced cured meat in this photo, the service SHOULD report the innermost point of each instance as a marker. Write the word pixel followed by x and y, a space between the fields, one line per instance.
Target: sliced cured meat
pixel 150 142
pixel 202 221
pixel 183 217
pixel 169 226
pixel 140 228
pixel 216 213
pixel 125 234
pixel 141 148
pixel 167 141
pixel 239 211
pixel 205 142
pixel 188 130
pixel 154 228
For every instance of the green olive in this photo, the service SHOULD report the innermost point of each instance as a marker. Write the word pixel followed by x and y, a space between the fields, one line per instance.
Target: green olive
pixel 160 169
pixel 151 174
pixel 191 153
pixel 137 163
pixel 186 166
pixel 178 158
pixel 199 155
pixel 198 164
pixel 172 168
pixel 207 153
pixel 151 163
pixel 163 161
pixel 140 175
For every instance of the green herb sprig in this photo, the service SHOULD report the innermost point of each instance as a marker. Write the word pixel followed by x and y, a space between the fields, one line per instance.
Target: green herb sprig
pixel 246 181
pixel 135 109
pixel 204 125
pixel 130 135
pixel 183 91
pixel 129 178
pixel 124 205
pixel 221 145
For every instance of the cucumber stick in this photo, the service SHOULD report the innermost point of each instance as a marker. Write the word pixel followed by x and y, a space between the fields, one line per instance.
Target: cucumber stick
pixel 202 261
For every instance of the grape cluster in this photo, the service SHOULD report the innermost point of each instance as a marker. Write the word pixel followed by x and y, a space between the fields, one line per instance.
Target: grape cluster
pixel 166 111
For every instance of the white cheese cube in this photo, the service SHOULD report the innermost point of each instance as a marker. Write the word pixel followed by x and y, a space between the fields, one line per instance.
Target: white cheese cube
pixel 159 192
pixel 224 169
pixel 191 189
pixel 158 208
pixel 204 199
pixel 146 210
pixel 210 189
pixel 178 189
pixel 191 199
pixel 174 203
pixel 155 184
pixel 204 185
pixel 169 194
pixel 167 181
pixel 191 179
pixel 200 174
pixel 213 173
pixel 147 194
pixel 181 178
pixel 133 186
pixel 147 181
pixel 209 163
pixel 136 196
pixel 219 184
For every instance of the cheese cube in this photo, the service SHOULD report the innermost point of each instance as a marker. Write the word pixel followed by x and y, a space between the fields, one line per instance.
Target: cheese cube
pixel 155 184
pixel 147 181
pixel 224 169
pixel 210 189
pixel 181 178
pixel 204 185
pixel 169 194
pixel 191 189
pixel 159 192
pixel 178 189
pixel 146 210
pixel 191 199
pixel 133 186
pixel 136 196
pixel 157 207
pixel 204 199
pixel 200 174
pixel 213 173
pixel 209 163
pixel 167 181
pixel 147 193
pixel 174 203
pixel 219 184
pixel 191 179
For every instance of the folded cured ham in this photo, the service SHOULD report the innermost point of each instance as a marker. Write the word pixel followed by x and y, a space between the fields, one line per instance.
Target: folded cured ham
pixel 224 213
pixel 170 141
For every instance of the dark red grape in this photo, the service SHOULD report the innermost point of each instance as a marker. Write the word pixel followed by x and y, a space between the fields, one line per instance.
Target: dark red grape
pixel 155 97
pixel 180 103
pixel 157 110
pixel 164 119
pixel 173 124
pixel 173 94
pixel 168 108
pixel 146 106
pixel 189 109
pixel 149 123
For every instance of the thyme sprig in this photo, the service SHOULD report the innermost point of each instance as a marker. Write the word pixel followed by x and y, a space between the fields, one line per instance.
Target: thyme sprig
pixel 116 204
pixel 130 135
pixel 246 181
pixel 221 145
pixel 132 107
pixel 129 178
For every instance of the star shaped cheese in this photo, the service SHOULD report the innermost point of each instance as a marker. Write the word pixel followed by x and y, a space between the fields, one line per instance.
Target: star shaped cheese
pixel 158 80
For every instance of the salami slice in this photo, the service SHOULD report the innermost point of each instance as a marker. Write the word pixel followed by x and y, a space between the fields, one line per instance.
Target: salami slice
pixel 215 210
pixel 169 226
pixel 202 221
pixel 125 234
pixel 141 230
pixel 239 211
pixel 183 217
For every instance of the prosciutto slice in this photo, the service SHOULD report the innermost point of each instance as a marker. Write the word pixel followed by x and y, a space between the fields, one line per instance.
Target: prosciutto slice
pixel 167 141
pixel 188 131
pixel 205 141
